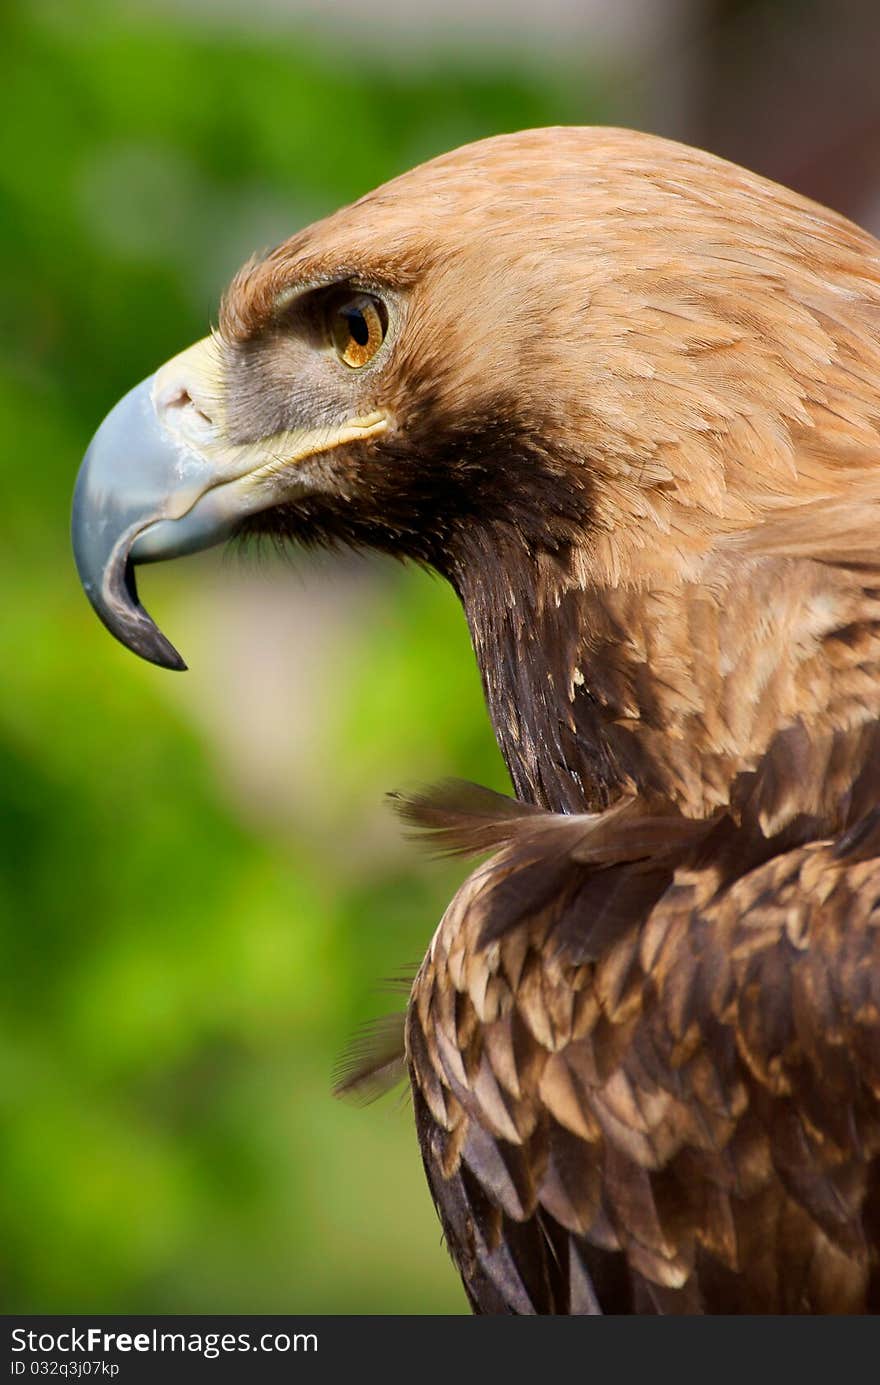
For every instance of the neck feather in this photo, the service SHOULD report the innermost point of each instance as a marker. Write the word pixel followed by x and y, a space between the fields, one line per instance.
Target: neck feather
pixel 754 687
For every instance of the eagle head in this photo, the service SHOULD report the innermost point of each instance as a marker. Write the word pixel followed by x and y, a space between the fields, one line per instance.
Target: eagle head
pixel 394 376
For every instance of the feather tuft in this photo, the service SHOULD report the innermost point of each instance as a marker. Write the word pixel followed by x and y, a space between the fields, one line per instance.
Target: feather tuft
pixel 460 818
pixel 374 1060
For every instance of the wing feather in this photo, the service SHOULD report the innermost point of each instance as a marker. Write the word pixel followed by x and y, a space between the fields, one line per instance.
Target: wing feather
pixel 680 1112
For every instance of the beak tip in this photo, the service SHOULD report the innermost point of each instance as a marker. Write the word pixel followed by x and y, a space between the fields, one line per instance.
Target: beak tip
pixel 176 664
pixel 143 637
pixel 126 618
pixel 161 653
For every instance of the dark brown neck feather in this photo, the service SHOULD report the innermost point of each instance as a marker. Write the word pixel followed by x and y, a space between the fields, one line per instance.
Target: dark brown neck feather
pixel 757 692
pixel 546 719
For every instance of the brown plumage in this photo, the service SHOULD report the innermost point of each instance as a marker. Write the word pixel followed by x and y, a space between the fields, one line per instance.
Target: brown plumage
pixel 652 1084
pixel 629 1078
pixel 633 404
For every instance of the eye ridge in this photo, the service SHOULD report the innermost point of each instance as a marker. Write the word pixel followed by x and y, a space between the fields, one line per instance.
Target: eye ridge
pixel 357 328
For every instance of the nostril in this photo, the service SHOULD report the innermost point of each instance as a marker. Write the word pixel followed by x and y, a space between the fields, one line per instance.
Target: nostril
pixel 178 403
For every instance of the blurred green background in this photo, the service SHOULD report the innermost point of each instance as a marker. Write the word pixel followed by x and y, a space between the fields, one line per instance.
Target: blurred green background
pixel 201 887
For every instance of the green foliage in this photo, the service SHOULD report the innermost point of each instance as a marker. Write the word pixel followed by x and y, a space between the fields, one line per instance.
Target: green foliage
pixel 181 960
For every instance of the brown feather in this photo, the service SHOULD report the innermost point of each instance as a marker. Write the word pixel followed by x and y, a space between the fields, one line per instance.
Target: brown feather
pixel 374 1062
pixel 633 396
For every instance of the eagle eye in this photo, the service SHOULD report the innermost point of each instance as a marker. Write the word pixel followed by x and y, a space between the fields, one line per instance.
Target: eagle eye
pixel 357 327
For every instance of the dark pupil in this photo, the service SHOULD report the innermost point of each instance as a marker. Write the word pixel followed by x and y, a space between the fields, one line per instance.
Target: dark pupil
pixel 357 325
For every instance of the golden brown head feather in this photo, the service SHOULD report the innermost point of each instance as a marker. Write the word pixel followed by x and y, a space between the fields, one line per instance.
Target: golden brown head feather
pixel 705 342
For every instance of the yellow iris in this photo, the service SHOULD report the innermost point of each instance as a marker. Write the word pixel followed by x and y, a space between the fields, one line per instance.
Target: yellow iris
pixel 357 329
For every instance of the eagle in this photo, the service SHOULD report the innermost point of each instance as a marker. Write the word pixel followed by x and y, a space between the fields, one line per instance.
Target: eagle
pixel 625 397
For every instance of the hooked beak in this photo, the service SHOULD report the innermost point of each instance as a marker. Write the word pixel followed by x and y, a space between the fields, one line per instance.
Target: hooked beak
pixel 160 479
